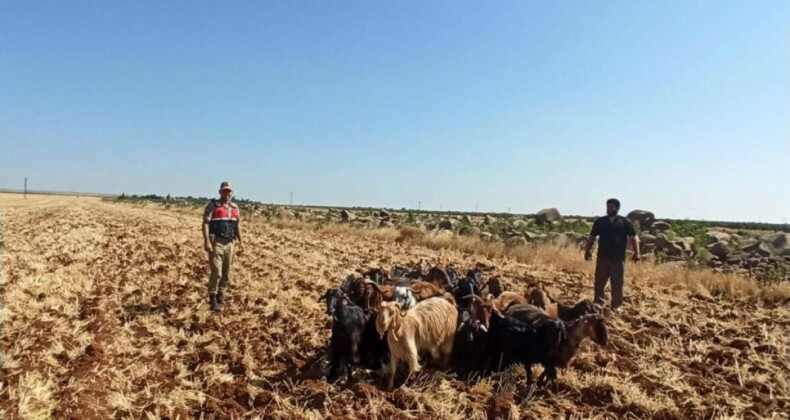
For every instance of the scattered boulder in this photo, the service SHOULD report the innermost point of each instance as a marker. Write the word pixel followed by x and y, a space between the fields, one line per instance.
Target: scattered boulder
pixel 386 224
pixel 517 240
pixel 764 250
pixel 778 240
pixel 718 249
pixel 520 224
pixel 347 216
pixel 466 219
pixel 533 237
pixel 486 236
pixel 646 238
pixel 665 245
pixel 488 220
pixel 561 240
pixel 384 213
pixel 659 226
pixel 283 213
pixel 687 243
pixel 447 224
pixel 648 248
pixel 475 231
pixel 548 216
pixel 644 217
pixel 714 236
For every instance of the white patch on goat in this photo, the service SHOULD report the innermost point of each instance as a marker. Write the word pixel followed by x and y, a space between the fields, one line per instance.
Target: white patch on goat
pixel 404 297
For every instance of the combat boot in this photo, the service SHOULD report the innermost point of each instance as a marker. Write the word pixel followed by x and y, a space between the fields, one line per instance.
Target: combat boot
pixel 214 306
pixel 220 298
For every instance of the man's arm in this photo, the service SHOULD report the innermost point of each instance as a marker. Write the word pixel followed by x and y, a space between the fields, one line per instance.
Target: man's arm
pixel 634 240
pixel 206 219
pixel 590 241
pixel 238 235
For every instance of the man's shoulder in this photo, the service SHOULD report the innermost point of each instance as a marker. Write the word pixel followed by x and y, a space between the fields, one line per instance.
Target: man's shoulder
pixel 624 219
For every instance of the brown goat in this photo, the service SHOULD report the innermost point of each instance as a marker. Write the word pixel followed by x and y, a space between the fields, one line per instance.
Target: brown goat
pixel 506 299
pixel 438 277
pixel 494 286
pixel 480 309
pixel 423 290
pixel 538 297
pixel 386 292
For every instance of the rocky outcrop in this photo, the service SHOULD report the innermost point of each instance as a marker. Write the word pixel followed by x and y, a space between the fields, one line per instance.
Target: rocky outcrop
pixel 644 217
pixel 548 216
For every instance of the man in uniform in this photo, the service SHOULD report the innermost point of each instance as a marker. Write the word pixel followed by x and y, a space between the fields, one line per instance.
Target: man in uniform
pixel 221 227
pixel 614 233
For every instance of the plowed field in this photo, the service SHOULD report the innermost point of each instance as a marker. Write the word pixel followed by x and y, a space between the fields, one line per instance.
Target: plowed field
pixel 105 316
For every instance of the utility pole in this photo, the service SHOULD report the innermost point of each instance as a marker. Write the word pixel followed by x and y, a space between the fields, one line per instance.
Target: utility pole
pixel 419 205
pixel 475 208
pixel 292 199
pixel 25 187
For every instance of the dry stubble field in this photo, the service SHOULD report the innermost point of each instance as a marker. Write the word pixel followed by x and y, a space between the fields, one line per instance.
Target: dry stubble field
pixel 105 316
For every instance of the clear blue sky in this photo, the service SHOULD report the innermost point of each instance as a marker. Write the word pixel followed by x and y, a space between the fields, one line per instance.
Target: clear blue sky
pixel 682 108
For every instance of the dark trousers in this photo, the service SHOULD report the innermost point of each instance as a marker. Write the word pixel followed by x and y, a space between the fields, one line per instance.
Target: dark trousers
pixel 606 269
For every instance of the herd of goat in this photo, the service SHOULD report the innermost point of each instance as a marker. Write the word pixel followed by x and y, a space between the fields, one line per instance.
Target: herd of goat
pixel 402 314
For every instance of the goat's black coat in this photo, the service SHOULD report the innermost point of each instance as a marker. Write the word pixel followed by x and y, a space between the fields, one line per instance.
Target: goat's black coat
pixel 511 341
pixel 572 313
pixel 469 346
pixel 354 338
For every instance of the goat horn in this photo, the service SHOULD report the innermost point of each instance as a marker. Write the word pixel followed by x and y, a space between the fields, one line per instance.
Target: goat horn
pixel 374 284
pixel 475 297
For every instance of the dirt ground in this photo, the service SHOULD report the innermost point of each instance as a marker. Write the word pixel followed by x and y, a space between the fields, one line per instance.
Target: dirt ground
pixel 105 316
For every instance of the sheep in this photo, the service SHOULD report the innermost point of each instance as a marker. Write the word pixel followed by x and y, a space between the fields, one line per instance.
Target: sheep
pixel 429 326
pixel 539 298
pixel 348 325
pixel 469 346
pixel 554 342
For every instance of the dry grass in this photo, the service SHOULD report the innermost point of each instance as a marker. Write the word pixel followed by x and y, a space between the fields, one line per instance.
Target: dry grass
pixel 690 344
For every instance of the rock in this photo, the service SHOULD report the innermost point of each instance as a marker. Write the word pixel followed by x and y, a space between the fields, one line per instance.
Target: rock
pixel 718 249
pixel 714 236
pixel 283 213
pixel 520 224
pixel 644 217
pixel 384 213
pixel 548 216
pixel 764 250
pixel 385 224
pixel 687 243
pixel 778 240
pixel 736 258
pixel 533 237
pixel 486 236
pixel 475 231
pixel 648 248
pixel 750 246
pixel 646 238
pixel 488 220
pixel 665 245
pixel 347 216
pixel 659 226
pixel 466 219
pixel 448 224
pixel 516 241
pixel 704 256
pixel 560 240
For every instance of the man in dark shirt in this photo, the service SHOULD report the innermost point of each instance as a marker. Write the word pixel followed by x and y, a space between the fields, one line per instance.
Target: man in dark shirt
pixel 614 233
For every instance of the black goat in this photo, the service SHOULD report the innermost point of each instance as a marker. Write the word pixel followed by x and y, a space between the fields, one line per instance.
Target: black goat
pixel 469 346
pixel 349 323
pixel 511 341
pixel 465 287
